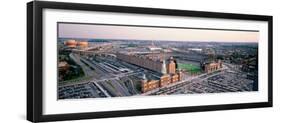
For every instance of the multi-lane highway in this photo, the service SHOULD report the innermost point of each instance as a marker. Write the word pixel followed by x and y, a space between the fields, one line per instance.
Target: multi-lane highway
pixel 109 81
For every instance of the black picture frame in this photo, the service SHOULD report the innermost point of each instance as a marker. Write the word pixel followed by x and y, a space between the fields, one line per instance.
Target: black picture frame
pixel 35 69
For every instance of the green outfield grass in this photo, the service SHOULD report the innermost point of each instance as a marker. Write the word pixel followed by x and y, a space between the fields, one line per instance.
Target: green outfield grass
pixel 189 68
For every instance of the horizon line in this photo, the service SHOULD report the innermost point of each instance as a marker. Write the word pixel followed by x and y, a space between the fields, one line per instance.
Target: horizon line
pixel 162 40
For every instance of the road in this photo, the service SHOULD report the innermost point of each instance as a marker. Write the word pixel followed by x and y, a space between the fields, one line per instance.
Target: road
pixel 102 90
pixel 113 79
pixel 85 68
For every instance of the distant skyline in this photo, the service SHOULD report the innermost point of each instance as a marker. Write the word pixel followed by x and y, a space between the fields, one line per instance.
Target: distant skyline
pixel 91 31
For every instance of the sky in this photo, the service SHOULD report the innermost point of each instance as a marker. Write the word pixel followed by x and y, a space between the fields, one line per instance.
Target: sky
pixel 69 30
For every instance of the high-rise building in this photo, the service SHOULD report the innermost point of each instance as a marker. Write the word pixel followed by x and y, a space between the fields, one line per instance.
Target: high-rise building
pixel 171 66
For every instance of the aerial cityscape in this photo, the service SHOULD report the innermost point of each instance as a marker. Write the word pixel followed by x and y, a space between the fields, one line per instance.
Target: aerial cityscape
pixel 94 62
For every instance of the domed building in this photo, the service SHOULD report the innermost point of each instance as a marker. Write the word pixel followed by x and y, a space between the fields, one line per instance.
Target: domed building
pixel 74 43
pixel 83 44
pixel 70 43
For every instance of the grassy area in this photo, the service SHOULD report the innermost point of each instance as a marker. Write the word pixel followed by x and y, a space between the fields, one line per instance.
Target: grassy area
pixel 189 68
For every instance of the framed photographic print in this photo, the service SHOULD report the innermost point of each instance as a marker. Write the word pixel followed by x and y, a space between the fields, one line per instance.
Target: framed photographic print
pixel 96 61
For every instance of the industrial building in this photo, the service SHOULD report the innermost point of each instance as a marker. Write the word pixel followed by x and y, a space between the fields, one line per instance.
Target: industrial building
pixel 168 71
pixel 157 65
pixel 211 66
pixel 164 80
